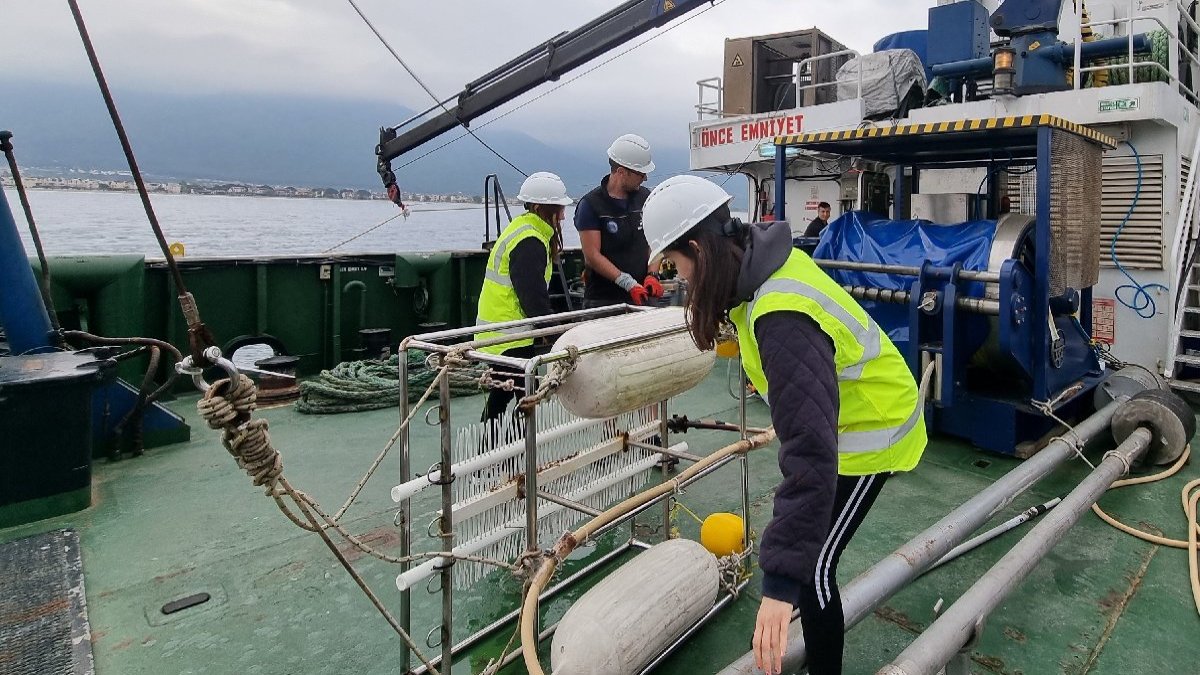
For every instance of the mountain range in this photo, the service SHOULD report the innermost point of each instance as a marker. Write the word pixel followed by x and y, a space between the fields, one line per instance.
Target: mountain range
pixel 273 140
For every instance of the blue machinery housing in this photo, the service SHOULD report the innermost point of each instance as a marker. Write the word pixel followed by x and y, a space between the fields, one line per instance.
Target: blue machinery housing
pixel 1031 367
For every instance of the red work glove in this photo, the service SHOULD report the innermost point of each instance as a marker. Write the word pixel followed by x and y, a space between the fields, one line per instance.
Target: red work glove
pixel 653 287
pixel 639 294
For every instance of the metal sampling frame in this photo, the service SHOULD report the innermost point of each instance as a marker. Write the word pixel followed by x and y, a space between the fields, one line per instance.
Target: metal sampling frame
pixel 459 344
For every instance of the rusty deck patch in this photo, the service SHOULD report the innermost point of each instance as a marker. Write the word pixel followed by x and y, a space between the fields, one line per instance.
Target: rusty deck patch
pixel 43 614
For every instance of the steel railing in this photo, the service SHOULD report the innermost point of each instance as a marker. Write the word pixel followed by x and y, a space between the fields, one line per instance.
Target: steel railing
pixel 706 109
pixel 799 74
pixel 1131 64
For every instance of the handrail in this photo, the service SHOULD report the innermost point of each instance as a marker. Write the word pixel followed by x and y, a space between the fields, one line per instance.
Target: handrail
pixel 799 69
pixel 1184 13
pixel 1130 65
pixel 714 108
pixel 1183 234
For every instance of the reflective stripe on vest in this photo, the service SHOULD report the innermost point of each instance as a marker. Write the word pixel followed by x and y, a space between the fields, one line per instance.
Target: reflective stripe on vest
pixel 498 302
pixel 894 447
pixel 501 254
pixel 867 336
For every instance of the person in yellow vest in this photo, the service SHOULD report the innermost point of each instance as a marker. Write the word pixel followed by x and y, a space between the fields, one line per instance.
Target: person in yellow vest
pixel 843 402
pixel 516 281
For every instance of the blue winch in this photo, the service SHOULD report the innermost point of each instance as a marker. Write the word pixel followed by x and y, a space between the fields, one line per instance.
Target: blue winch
pixel 997 305
pixel 1033 61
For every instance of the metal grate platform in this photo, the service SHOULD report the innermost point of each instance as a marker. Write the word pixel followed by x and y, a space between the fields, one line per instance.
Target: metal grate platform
pixel 43 614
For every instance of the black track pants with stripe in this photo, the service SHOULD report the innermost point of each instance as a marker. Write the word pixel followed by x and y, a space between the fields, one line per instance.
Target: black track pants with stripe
pixel 820 603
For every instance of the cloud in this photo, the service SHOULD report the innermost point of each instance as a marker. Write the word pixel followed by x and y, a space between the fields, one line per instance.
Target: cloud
pixel 323 48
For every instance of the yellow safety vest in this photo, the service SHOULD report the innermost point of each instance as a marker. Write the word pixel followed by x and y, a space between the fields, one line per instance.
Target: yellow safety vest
pixel 498 300
pixel 880 419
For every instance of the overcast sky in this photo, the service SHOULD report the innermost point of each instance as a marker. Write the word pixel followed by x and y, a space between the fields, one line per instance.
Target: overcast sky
pixel 322 48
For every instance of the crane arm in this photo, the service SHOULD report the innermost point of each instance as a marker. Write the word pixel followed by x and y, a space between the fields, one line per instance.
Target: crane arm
pixel 544 63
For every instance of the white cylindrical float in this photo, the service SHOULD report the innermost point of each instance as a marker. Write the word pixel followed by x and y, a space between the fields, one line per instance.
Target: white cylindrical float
pixel 609 382
pixel 631 616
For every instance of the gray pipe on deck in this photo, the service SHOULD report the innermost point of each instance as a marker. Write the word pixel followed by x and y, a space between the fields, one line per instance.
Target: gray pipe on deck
pixel 961 623
pixel 869 590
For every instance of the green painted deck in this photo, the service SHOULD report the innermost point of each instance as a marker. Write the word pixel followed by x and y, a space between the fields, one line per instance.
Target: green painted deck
pixel 184 519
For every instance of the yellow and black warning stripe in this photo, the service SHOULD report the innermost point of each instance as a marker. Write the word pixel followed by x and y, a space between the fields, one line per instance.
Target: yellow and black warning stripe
pixel 1012 122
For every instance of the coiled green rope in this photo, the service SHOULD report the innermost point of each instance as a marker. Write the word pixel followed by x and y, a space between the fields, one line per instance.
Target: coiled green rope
pixel 355 386
pixel 1160 49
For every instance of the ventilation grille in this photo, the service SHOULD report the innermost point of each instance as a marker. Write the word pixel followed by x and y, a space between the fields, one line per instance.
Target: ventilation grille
pixel 1140 245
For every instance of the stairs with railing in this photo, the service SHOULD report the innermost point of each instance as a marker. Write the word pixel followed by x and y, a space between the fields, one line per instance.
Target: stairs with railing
pixel 1183 348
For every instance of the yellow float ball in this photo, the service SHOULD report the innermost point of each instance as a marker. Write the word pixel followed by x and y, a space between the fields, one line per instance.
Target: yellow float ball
pixel 177 249
pixel 727 349
pixel 722 534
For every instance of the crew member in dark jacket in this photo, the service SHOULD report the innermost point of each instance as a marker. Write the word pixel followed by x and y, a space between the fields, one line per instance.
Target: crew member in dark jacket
pixel 843 403
pixel 609 220
pixel 818 224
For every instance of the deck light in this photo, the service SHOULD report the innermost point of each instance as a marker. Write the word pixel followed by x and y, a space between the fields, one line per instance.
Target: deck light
pixel 1003 71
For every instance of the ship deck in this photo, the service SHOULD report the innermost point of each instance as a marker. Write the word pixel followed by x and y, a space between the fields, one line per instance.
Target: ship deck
pixel 184 519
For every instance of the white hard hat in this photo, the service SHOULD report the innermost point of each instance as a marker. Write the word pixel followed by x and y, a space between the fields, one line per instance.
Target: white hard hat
pixel 544 187
pixel 632 152
pixel 676 206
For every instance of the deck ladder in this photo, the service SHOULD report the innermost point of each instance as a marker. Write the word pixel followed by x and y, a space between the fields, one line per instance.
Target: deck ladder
pixel 1185 325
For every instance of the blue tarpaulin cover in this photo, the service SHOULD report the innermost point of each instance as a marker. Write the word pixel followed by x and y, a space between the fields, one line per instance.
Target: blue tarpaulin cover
pixel 916 40
pixel 866 237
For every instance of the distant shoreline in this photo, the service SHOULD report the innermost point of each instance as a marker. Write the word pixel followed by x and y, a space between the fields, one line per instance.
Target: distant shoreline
pixel 227 190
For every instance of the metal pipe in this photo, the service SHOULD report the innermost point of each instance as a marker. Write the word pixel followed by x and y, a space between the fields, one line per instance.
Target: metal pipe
pixel 569 503
pixel 513 336
pixel 615 343
pixel 744 460
pixel 980 66
pixel 669 452
pixel 482 357
pixel 666 467
pixel 1077 76
pixel 872 588
pixel 681 423
pixel 531 464
pixel 438 336
pixel 405 515
pixel 552 357
pixel 905 270
pixel 447 526
pixel 798 73
pixel 964 620
pixel 1100 49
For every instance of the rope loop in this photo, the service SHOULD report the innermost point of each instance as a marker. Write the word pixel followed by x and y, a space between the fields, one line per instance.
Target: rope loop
pixel 559 372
